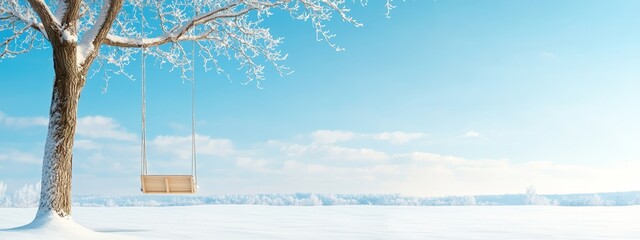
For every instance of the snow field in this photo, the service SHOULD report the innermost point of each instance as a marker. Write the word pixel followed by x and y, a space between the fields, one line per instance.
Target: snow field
pixel 335 222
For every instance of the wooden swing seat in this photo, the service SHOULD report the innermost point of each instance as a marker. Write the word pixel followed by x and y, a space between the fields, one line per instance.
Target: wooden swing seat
pixel 168 184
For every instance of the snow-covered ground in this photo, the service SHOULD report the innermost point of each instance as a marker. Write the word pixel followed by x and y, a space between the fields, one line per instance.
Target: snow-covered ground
pixel 333 222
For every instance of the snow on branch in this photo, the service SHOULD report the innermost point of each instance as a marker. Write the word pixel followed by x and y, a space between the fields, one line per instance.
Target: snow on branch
pixel 68 11
pixel 93 38
pixel 49 21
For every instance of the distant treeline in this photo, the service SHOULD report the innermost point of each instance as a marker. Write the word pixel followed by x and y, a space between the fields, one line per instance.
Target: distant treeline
pixel 28 197
pixel 312 199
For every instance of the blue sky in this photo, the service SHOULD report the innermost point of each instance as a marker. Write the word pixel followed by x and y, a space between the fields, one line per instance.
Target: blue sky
pixel 445 97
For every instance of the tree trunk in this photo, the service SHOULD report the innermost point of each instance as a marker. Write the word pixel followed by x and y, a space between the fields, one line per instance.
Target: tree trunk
pixel 55 195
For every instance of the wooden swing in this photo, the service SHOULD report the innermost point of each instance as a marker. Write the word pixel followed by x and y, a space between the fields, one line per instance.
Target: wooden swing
pixel 167 184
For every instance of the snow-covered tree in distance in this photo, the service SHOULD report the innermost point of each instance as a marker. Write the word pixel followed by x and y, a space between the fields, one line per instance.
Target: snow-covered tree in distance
pixel 79 32
pixel 4 202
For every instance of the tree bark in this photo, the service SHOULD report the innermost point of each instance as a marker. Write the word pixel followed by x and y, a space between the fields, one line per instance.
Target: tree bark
pixel 55 195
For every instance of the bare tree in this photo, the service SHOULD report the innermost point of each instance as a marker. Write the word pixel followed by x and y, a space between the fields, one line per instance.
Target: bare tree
pixel 112 32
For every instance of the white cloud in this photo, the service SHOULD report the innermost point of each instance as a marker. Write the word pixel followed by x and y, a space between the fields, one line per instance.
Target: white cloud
pixel 432 174
pixel 333 152
pixel 97 127
pixel 471 134
pixel 101 158
pixel 397 137
pixel 258 165
pixel 324 166
pixel 21 157
pixel 100 127
pixel 86 144
pixel 337 136
pixel 331 136
pixel 295 168
pixel 363 154
pixel 22 122
pixel 424 157
pixel 180 146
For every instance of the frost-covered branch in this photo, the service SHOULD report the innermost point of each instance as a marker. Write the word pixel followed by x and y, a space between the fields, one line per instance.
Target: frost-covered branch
pixel 113 32
pixel 390 7
pixel 49 21
pixel 68 13
pixel 94 37
pixel 177 33
pixel 20 28
pixel 228 29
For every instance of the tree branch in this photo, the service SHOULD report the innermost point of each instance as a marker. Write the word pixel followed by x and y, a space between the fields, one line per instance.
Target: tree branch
pixel 221 28
pixel 20 29
pixel 93 38
pixel 50 24
pixel 177 34
pixel 17 17
pixel 5 44
pixel 71 14
pixel 117 41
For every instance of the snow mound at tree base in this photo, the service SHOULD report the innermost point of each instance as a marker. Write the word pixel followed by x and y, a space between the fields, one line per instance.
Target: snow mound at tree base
pixel 53 227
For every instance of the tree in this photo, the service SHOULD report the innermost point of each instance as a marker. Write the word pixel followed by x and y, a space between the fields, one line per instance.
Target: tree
pixel 534 199
pixel 113 32
pixel 27 196
pixel 4 201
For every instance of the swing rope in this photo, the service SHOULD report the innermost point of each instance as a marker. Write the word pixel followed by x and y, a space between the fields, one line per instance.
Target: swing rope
pixel 143 153
pixel 193 106
pixel 144 98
